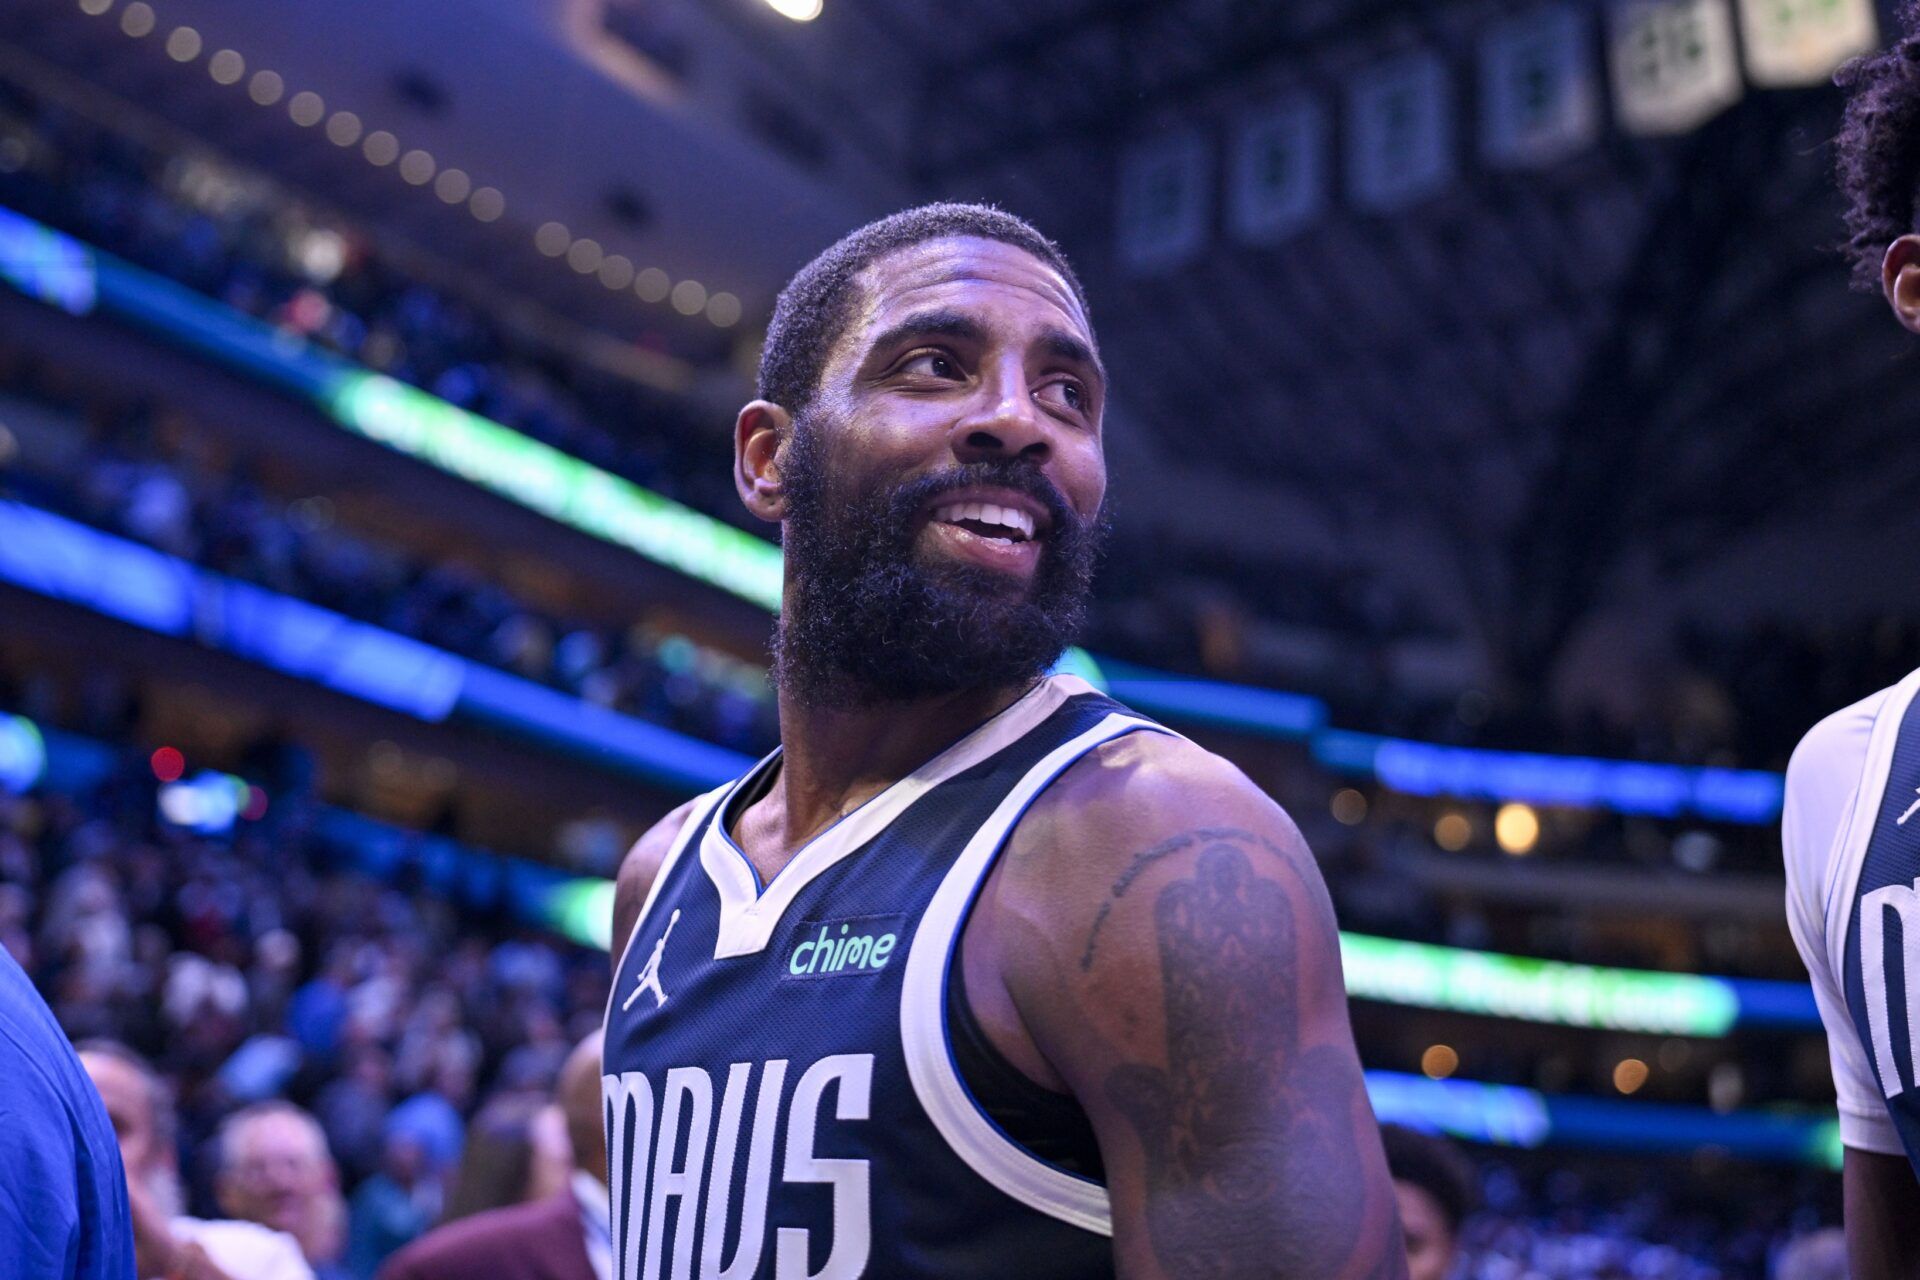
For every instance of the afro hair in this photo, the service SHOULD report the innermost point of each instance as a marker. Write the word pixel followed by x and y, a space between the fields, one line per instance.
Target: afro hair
pixel 1878 148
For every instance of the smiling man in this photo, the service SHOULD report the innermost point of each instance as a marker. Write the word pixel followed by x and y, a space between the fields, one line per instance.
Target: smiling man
pixel 980 973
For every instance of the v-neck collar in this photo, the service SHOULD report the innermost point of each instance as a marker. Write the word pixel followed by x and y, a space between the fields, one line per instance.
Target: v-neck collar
pixel 749 914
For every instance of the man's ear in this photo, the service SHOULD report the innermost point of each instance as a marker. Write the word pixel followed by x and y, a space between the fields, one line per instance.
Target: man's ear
pixel 760 435
pixel 1900 280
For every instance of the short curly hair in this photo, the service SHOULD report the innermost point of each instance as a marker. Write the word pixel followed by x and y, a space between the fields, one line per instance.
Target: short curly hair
pixel 1878 148
pixel 814 309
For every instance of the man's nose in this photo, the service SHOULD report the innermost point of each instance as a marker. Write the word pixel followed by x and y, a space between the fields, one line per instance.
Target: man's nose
pixel 1007 424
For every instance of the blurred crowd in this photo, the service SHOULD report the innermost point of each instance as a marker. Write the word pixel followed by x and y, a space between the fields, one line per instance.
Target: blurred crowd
pixel 144 473
pixel 425 1043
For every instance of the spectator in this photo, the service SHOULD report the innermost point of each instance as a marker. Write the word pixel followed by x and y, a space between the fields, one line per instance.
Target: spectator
pixel 1435 1188
pixel 562 1237
pixel 396 1205
pixel 64 1213
pixel 141 1108
pixel 275 1170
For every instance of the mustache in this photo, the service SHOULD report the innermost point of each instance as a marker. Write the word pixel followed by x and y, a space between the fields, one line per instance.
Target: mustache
pixel 1022 477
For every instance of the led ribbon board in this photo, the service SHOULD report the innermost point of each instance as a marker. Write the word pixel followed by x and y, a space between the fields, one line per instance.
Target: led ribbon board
pixel 1501 986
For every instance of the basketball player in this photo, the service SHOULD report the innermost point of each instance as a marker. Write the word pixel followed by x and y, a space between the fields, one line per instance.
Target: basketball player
pixel 980 973
pixel 1851 831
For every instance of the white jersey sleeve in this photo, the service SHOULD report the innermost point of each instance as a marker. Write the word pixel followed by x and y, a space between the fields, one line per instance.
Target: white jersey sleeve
pixel 1823 846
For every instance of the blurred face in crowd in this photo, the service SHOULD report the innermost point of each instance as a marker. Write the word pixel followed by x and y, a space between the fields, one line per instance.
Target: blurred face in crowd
pixel 1430 1240
pixel 148 1156
pixel 941 496
pixel 275 1170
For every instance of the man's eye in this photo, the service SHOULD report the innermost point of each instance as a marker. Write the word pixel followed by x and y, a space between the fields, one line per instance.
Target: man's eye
pixel 932 362
pixel 1069 394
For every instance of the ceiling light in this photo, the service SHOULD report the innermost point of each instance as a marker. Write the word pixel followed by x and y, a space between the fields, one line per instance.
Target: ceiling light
pixel 307 108
pixel 798 10
pixel 616 272
pixel 137 19
pixel 94 8
pixel 227 66
pixel 417 167
pixel 552 239
pixel 585 255
pixel 343 130
pixel 266 87
pixel 381 148
pixel 689 297
pixel 652 285
pixel 452 186
pixel 487 204
pixel 184 44
pixel 724 310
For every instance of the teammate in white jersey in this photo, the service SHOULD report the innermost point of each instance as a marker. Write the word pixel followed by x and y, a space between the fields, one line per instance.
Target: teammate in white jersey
pixel 1851 830
pixel 1150 952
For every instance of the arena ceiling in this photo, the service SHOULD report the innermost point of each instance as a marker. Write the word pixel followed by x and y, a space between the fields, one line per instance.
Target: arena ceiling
pixel 1503 410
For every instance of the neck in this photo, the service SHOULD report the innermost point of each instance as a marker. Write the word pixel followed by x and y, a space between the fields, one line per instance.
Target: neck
pixel 835 758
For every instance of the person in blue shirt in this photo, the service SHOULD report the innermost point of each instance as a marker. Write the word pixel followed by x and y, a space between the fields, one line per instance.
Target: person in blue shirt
pixel 63 1193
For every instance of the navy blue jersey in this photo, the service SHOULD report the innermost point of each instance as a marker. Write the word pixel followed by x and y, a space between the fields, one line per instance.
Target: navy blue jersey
pixel 1882 963
pixel 781 1096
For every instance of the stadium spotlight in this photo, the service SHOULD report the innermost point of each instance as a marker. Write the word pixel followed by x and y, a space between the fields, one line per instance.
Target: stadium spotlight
pixel 1517 827
pixel 798 10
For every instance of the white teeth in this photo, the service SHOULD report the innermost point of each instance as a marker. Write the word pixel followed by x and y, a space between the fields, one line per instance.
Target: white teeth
pixel 986 513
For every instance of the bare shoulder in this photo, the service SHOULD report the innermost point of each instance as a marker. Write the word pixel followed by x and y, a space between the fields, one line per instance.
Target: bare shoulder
pixel 1128 797
pixel 638 869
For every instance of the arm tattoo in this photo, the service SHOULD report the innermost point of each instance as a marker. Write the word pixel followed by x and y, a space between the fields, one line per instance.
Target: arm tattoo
pixel 1252 1169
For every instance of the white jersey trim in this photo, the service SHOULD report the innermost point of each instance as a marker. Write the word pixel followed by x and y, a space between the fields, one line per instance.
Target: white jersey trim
pixel 702 807
pixel 972 1135
pixel 1844 872
pixel 749 915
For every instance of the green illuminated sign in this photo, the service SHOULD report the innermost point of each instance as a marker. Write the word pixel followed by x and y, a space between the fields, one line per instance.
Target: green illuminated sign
pixel 1575 995
pixel 582 911
pixel 556 485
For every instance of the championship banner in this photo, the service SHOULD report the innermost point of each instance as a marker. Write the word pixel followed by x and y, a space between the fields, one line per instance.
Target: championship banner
pixel 1674 64
pixel 1278 181
pixel 1800 42
pixel 1539 101
pixel 1401 147
pixel 1163 207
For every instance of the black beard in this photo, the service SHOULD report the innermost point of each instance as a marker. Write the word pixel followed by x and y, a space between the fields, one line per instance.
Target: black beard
pixel 866 622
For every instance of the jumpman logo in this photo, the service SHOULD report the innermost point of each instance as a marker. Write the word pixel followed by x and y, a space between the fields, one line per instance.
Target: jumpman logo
pixel 650 975
pixel 1911 810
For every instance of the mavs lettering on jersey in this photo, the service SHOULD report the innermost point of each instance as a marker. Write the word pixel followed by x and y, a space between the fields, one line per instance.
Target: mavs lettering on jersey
pixel 679 1145
pixel 781 1102
pixel 1883 939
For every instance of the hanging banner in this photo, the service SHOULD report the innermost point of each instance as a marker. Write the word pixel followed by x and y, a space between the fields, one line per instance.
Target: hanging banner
pixel 1401 126
pixel 1674 65
pixel 1279 177
pixel 1539 101
pixel 1800 42
pixel 1163 207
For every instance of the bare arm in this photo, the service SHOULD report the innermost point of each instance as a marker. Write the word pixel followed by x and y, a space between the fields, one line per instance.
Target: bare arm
pixel 1188 993
pixel 1882 1206
pixel 635 878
